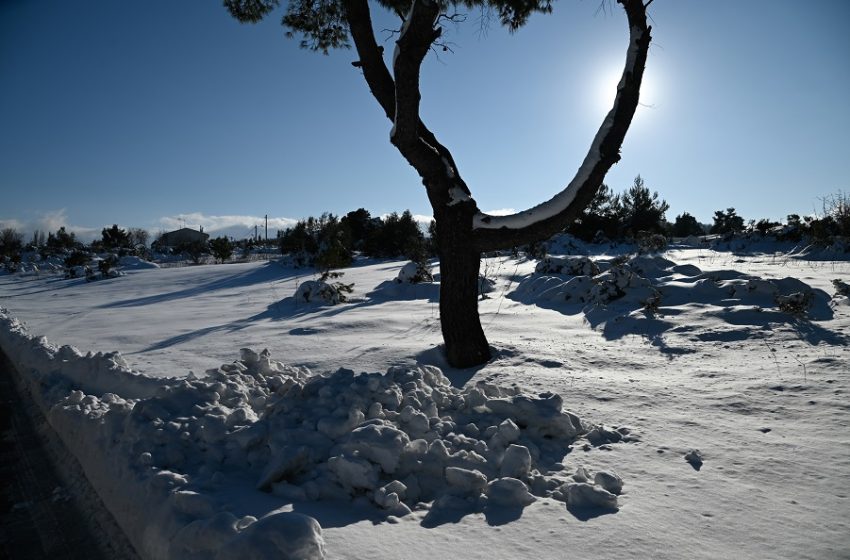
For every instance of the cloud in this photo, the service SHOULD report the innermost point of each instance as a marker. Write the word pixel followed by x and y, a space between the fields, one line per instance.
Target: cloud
pixel 50 222
pixel 235 226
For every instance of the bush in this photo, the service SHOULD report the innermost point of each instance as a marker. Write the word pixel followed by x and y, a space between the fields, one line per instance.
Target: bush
pixel 651 242
pixel 77 258
pixel 221 248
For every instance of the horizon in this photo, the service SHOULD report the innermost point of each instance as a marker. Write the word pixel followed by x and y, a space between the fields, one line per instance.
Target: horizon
pixel 118 115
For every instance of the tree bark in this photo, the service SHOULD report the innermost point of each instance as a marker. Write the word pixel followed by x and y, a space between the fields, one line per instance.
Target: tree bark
pixel 463 336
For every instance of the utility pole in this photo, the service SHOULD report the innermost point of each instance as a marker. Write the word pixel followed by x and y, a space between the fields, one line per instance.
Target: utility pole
pixel 267 229
pixel 256 235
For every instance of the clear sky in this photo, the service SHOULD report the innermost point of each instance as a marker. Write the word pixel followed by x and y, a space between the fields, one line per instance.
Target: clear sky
pixel 148 114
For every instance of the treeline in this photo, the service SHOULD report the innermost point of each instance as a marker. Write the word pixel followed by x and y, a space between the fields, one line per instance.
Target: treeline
pixel 638 212
pixel 330 241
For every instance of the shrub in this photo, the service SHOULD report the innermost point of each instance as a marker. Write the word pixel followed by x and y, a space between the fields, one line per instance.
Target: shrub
pixel 651 242
pixel 221 248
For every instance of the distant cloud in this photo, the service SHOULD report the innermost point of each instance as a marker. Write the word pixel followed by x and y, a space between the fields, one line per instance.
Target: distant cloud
pixel 235 226
pixel 50 222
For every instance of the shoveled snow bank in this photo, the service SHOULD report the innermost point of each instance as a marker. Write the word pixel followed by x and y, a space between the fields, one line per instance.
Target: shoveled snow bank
pixel 162 453
pixel 152 459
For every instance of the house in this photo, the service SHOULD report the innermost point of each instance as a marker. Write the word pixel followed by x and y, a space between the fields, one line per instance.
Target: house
pixel 181 236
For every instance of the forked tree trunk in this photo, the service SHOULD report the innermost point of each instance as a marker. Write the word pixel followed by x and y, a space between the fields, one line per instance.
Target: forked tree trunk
pixel 465 343
pixel 464 232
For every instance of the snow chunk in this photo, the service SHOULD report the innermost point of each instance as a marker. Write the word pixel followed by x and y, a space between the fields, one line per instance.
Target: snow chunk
pixel 285 535
pixel 509 492
pixel 586 495
pixel 516 462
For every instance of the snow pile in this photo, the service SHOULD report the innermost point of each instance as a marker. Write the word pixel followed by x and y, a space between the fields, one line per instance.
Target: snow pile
pixel 407 437
pixel 566 244
pixel 159 451
pixel 131 262
pixel 155 459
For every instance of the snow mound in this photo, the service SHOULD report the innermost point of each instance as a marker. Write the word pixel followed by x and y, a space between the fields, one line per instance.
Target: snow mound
pixel 160 452
pixel 572 266
pixel 406 437
pixel 648 282
pixel 135 263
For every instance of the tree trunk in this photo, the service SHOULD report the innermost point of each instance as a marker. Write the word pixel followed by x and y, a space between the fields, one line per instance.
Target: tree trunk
pixel 466 345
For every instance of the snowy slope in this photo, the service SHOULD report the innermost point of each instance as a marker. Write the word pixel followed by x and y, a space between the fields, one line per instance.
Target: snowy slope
pixel 717 367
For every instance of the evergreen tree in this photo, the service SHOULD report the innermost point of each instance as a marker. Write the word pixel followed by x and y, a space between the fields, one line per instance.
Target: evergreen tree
pixel 727 222
pixel 642 210
pixel 115 238
pixel 686 225
pixel 221 248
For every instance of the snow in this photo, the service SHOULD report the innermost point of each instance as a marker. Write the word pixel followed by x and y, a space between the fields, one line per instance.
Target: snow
pixel 351 438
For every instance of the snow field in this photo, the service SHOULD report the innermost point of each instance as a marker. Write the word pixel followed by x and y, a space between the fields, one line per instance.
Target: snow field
pixel 718 366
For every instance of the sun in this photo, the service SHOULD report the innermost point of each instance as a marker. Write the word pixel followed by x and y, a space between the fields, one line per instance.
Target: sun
pixel 604 88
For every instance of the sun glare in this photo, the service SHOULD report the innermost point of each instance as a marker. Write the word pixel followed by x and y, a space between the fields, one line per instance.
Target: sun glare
pixel 604 89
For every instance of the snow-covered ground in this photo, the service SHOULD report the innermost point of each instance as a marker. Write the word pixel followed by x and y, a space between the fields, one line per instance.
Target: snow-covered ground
pixel 689 350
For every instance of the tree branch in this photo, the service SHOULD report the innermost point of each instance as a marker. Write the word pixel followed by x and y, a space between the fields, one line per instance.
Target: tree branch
pixel 501 232
pixel 424 152
pixel 377 75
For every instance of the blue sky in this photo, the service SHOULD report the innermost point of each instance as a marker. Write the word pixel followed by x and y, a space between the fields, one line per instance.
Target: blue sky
pixel 148 114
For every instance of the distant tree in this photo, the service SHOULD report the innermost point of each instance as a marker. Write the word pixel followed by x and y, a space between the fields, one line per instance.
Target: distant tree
pixel 61 240
pixel 464 232
pixel 727 222
pixel 115 238
pixel 361 228
pixel 686 225
pixel 400 236
pixel 195 250
pixel 221 248
pixel 603 216
pixel 138 236
pixel 11 242
pixel 764 225
pixel 642 210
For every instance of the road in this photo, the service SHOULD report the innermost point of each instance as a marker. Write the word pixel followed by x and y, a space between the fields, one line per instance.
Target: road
pixel 46 513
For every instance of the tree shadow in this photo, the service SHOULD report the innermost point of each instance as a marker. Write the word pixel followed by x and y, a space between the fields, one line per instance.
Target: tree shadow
pixel 270 272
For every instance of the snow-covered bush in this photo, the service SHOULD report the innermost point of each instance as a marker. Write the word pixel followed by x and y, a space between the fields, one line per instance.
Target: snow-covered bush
pixel 796 303
pixel 316 291
pixel 652 243
pixel 570 266
pixel 414 273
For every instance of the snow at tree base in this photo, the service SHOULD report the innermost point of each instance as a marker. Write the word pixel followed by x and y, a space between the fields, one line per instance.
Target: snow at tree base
pixel 684 404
